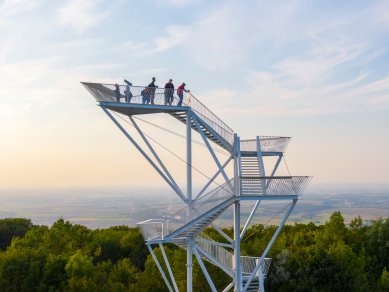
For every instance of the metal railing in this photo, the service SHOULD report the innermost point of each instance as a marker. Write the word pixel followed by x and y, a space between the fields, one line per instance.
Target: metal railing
pixel 159 96
pixel 225 258
pixel 249 264
pixel 156 229
pixel 211 119
pixel 274 186
pixel 268 144
pixel 199 207
pixel 153 229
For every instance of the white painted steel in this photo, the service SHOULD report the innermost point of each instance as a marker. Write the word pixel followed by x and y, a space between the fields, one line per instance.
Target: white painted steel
pixel 106 93
pixel 268 144
pixel 270 244
pixel 160 268
pixel 247 184
pixel 204 269
pixel 168 267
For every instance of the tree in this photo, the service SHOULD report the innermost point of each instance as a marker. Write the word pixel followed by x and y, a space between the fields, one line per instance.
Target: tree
pixel 13 227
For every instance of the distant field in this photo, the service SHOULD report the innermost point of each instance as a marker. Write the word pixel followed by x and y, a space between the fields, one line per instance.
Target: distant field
pixel 100 210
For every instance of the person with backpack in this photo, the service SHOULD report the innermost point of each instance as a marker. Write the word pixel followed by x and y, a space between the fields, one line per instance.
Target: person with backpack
pixel 180 93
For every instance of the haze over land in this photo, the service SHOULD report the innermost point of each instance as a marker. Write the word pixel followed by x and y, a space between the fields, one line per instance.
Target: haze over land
pixel 104 208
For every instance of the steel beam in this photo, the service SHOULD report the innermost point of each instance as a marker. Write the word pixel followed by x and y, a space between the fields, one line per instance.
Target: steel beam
pixel 212 179
pixel 270 244
pixel 160 268
pixel 156 156
pixel 168 267
pixel 142 152
pixel 212 153
pixel 237 264
pixel 204 269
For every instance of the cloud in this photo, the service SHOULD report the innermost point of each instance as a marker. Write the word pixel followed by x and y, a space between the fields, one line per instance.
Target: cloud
pixel 81 14
pixel 14 7
pixel 179 3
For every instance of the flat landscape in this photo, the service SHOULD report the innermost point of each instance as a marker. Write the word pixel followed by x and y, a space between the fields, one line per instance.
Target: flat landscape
pixel 102 208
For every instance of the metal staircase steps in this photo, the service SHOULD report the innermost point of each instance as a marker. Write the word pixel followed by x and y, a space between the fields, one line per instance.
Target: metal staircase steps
pixel 182 117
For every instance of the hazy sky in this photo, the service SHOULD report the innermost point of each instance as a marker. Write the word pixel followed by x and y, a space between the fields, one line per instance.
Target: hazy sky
pixel 313 70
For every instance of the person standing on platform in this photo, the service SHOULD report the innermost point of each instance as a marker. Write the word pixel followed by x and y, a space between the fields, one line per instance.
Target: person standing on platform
pixel 117 92
pixel 180 92
pixel 169 91
pixel 152 88
pixel 127 92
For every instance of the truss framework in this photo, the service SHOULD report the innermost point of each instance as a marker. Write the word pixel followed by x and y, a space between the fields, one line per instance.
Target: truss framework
pixel 248 183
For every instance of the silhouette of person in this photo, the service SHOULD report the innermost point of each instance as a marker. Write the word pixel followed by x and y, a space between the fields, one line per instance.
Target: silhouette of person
pixel 117 92
pixel 169 91
pixel 152 88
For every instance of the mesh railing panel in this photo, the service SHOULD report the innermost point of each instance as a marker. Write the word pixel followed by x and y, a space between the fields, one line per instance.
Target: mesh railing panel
pixel 152 229
pixel 200 206
pixel 210 118
pixel 268 144
pixel 275 186
pixel 249 264
pixel 222 255
pixel 225 257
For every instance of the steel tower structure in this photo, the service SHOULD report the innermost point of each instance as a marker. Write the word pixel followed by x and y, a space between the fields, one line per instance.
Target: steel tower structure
pixel 249 182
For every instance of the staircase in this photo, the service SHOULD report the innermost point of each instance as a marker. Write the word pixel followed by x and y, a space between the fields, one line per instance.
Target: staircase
pixel 254 284
pixel 208 131
pixel 212 252
pixel 192 219
pixel 250 169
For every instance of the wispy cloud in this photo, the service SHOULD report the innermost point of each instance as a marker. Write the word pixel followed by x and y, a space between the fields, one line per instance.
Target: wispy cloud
pixel 14 7
pixel 82 14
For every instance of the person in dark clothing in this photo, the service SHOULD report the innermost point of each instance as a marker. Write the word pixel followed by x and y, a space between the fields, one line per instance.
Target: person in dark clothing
pixel 169 91
pixel 117 92
pixel 180 92
pixel 152 88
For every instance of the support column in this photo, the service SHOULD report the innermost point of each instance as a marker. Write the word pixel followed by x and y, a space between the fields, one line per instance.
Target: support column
pixel 189 267
pixel 189 156
pixel 237 264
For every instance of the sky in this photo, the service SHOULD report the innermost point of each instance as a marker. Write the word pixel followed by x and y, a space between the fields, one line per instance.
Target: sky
pixel 313 70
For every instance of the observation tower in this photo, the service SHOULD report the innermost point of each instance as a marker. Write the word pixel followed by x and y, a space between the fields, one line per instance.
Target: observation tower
pixel 247 176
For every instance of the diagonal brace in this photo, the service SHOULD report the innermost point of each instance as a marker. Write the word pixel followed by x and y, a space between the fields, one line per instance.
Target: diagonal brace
pixel 270 244
pixel 212 153
pixel 155 155
pixel 168 267
pixel 142 152
pixel 212 179
pixel 204 269
pixel 159 268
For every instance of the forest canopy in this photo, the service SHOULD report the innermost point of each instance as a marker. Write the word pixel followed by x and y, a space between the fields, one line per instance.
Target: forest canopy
pixel 306 257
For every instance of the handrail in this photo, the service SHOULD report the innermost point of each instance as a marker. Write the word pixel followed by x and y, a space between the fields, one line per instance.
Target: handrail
pixel 104 92
pixel 225 257
pixel 268 144
pixel 275 185
pixel 153 229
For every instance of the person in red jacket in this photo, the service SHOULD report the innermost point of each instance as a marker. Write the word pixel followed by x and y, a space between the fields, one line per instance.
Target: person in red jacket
pixel 180 92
